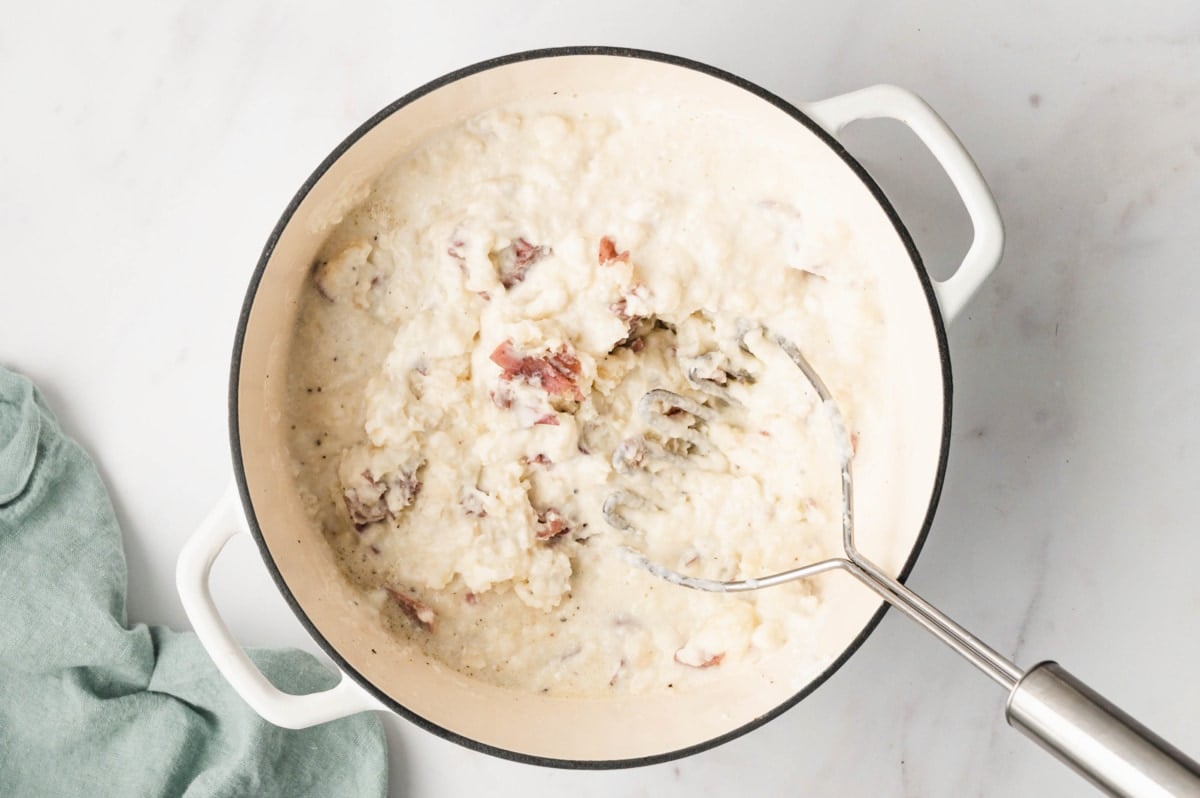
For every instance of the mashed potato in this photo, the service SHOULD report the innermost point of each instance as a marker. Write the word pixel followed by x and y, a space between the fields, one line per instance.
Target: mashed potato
pixel 467 382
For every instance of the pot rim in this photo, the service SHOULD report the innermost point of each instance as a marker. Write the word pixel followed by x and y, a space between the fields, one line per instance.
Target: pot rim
pixel 556 52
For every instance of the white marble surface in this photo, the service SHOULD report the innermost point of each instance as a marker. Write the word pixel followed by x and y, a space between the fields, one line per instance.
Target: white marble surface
pixel 148 150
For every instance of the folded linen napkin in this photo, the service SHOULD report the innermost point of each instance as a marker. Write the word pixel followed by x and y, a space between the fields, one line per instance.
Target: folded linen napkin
pixel 90 706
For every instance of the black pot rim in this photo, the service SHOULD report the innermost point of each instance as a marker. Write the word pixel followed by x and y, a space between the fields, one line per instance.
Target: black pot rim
pixel 285 219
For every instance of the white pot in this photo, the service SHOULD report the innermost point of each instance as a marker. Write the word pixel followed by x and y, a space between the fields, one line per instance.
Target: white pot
pixel 896 486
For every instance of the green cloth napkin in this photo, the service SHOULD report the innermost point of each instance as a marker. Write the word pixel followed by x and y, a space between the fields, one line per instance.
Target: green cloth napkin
pixel 92 707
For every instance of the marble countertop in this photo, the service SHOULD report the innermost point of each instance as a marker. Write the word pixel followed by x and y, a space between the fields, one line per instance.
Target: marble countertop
pixel 149 149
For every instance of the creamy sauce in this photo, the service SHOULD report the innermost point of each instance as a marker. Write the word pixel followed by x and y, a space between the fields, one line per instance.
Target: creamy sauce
pixel 468 395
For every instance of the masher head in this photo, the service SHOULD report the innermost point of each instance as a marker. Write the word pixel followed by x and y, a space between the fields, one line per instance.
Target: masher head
pixel 679 422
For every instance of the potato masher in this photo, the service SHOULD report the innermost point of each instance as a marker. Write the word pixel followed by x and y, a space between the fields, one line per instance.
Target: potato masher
pixel 1071 720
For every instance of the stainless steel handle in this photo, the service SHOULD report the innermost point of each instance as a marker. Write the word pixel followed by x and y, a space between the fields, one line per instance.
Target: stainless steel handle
pixel 1101 742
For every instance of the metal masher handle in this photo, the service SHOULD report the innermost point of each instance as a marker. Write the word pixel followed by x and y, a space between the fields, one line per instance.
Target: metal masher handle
pixel 1065 716
pixel 1096 738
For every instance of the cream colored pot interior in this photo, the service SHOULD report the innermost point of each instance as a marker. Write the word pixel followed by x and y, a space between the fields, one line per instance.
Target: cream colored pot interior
pixel 894 477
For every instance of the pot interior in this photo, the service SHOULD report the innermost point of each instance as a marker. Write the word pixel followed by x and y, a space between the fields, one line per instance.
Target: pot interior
pixel 896 477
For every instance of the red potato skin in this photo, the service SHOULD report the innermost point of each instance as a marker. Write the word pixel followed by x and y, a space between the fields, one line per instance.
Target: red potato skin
pixel 514 261
pixel 608 252
pixel 418 611
pixel 554 372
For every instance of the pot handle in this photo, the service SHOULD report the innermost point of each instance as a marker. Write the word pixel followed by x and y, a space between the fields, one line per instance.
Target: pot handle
pixel 191 578
pixel 893 102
